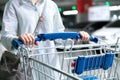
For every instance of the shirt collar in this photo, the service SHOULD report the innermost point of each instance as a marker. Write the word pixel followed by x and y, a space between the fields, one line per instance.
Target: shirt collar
pixel 29 1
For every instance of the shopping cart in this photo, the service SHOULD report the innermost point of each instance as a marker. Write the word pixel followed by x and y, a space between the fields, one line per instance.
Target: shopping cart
pixel 74 62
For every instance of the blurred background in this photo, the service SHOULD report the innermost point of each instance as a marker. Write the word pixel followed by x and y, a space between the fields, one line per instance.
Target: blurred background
pixel 93 16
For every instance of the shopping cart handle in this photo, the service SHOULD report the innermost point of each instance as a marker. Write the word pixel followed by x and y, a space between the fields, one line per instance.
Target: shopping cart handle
pixel 53 36
pixel 64 36
pixel 94 39
pixel 59 35
pixel 16 43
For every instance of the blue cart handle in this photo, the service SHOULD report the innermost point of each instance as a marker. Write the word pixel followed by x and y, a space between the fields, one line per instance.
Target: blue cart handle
pixel 53 36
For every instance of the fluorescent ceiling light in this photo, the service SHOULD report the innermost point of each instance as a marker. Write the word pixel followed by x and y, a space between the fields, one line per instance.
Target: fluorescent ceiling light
pixel 114 8
pixel 70 12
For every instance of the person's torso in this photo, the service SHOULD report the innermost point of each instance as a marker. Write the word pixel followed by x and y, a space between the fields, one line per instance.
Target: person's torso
pixel 29 16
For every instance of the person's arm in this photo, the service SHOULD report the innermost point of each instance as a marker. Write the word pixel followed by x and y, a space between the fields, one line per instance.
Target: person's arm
pixel 9 25
pixel 58 23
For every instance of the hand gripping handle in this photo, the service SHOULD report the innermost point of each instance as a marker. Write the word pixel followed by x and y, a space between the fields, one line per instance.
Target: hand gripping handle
pixel 53 36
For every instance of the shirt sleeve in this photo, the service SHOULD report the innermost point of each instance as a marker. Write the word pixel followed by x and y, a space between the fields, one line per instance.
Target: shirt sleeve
pixel 9 25
pixel 58 23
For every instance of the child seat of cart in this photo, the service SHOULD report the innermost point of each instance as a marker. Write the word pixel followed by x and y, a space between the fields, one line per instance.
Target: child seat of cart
pixel 86 63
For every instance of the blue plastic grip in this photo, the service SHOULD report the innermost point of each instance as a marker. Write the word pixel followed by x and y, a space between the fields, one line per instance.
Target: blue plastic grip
pixel 53 36
pixel 64 36
pixel 61 35
pixel 94 39
pixel 16 43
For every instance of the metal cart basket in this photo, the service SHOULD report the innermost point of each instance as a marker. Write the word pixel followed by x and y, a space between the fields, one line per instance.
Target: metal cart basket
pixel 92 61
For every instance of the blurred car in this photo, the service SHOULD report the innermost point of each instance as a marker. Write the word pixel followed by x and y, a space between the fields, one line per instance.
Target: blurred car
pixel 93 26
pixel 109 33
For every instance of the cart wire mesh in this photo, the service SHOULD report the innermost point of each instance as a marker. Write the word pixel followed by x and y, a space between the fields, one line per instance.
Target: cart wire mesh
pixel 74 62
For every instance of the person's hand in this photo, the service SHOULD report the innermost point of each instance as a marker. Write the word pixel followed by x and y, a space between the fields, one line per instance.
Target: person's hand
pixel 84 35
pixel 27 39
